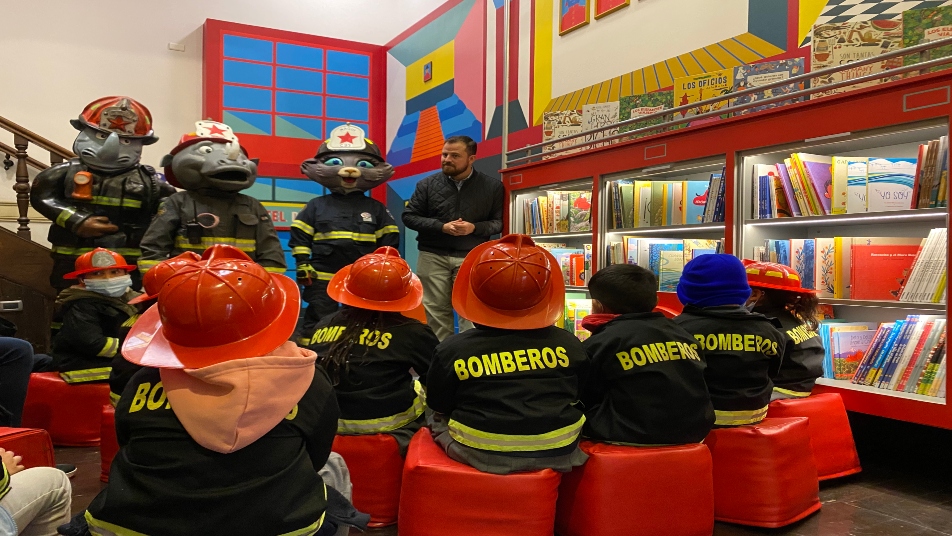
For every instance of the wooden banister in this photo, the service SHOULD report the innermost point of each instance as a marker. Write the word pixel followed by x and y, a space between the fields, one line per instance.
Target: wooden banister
pixel 30 161
pixel 35 138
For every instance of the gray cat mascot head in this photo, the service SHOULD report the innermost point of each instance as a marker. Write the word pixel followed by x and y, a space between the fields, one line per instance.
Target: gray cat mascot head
pixel 347 162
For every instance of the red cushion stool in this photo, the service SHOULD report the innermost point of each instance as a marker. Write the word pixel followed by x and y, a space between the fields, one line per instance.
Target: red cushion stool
pixel 441 496
pixel 830 434
pixel 764 474
pixel 34 445
pixel 108 445
pixel 376 469
pixel 72 414
pixel 631 490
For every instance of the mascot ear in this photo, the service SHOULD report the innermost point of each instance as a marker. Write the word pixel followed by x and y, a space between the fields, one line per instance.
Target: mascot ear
pixel 256 160
pixel 166 161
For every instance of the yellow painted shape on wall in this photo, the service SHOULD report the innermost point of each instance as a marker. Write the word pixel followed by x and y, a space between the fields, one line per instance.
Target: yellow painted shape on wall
pixel 613 90
pixel 625 85
pixel 637 82
pixel 664 74
pixel 810 10
pixel 708 63
pixel 677 69
pixel 542 71
pixel 720 53
pixel 758 45
pixel 443 70
pixel 651 79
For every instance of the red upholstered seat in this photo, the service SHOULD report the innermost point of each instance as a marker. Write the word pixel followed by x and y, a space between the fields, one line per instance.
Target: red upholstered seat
pixel 376 469
pixel 647 491
pixel 830 434
pixel 441 496
pixel 764 474
pixel 34 445
pixel 72 414
pixel 108 445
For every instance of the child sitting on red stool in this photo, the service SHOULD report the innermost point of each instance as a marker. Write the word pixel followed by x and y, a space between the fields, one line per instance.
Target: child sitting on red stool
pixel 369 347
pixel 776 293
pixel 646 381
pixel 93 313
pixel 743 350
pixel 509 387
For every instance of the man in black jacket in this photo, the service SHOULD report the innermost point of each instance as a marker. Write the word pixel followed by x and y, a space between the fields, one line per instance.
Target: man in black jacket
pixel 453 211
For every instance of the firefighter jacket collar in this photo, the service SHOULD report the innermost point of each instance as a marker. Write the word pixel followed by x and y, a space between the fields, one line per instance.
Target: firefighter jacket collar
pixel 595 322
pixel 228 406
pixel 74 293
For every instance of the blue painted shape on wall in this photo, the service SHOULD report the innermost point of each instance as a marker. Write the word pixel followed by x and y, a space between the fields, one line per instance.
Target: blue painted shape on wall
pixel 401 149
pixel 248 49
pixel 346 62
pixel 457 120
pixel 248 122
pixel 297 190
pixel 297 103
pixel 300 56
pixel 299 79
pixel 353 110
pixel 243 72
pixel 767 19
pixel 298 127
pixel 262 189
pixel 437 33
pixel 247 98
pixel 431 97
pixel 348 86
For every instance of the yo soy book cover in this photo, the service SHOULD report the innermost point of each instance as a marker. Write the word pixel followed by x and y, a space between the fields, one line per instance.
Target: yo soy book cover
pixel 761 74
pixel 701 87
pixel 889 184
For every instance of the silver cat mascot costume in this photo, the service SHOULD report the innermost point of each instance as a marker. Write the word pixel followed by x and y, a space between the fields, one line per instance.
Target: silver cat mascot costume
pixel 336 229
pixel 104 197
pixel 213 168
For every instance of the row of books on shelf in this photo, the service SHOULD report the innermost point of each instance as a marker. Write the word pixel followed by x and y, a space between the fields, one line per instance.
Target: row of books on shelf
pixel 558 212
pixel 815 185
pixel 867 268
pixel 576 263
pixel 661 203
pixel 905 356
pixel 665 258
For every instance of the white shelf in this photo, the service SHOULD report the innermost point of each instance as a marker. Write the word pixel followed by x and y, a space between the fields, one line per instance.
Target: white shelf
pixel 886 304
pixel 546 237
pixel 573 288
pixel 705 228
pixel 849 386
pixel 869 218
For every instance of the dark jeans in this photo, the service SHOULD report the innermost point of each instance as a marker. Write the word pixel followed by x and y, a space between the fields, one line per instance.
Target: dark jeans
pixel 319 305
pixel 16 363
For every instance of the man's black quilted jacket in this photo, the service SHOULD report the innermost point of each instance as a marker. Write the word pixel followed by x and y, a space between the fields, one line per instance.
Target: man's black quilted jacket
pixel 436 201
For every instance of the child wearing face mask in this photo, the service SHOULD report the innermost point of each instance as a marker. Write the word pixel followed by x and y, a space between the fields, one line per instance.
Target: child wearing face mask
pixel 93 313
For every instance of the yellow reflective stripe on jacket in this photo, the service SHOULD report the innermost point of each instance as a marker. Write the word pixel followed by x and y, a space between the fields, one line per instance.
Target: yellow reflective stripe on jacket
pixel 384 424
pixel 86 375
pixel 113 399
pixel 130 321
pixel 275 269
pixel 145 266
pixel 115 202
pixel 346 235
pixel 125 252
pixel 739 417
pixel 478 439
pixel 110 348
pixel 300 250
pixel 788 392
pixel 386 230
pixel 244 244
pixel 64 215
pixel 4 481
pixel 56 325
pixel 298 224
pixel 324 276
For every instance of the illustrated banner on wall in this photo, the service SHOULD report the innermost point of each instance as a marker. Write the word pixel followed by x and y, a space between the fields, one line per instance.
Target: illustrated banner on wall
pixel 572 14
pixel 604 7
pixel 600 115
pixel 561 124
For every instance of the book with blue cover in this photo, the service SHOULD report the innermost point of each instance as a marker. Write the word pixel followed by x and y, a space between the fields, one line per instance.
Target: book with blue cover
pixel 654 254
pixel 671 266
pixel 695 197
pixel 802 259
pixel 889 184
pixel 779 251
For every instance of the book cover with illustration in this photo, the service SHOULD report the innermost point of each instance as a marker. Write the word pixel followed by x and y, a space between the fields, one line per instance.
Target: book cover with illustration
pixel 802 258
pixel 836 44
pixel 697 88
pixel 851 347
pixel 654 253
pixel 889 183
pixel 856 187
pixel 632 106
pixel 695 198
pixel 601 115
pixel 580 211
pixel 779 251
pixel 825 267
pixel 818 171
pixel 671 266
pixel 693 246
pixel 884 269
pixel 924 25
pixel 559 125
pixel 761 74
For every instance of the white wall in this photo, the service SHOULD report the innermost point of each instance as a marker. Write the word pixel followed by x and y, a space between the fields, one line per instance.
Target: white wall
pixel 645 32
pixel 62 54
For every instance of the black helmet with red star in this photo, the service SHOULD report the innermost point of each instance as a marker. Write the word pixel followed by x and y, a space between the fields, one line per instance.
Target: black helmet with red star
pixel 349 138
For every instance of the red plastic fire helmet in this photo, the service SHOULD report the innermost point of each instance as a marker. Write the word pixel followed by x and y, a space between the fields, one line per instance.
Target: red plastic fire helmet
pixel 96 260
pixel 773 275
pixel 380 281
pixel 153 280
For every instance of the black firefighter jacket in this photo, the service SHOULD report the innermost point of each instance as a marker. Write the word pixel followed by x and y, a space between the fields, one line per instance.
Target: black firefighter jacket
pixel 800 369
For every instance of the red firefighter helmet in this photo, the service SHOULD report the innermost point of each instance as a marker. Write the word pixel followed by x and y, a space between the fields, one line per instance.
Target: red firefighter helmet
pixel 96 260
pixel 216 310
pixel 510 283
pixel 380 281
pixel 153 280
pixel 125 116
pixel 207 130
pixel 773 275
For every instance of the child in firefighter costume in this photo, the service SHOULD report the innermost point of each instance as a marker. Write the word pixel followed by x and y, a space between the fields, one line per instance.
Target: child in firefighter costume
pixel 104 197
pixel 334 230
pixel 225 429
pixel 369 347
pixel 213 168
pixel 776 293
pixel 505 394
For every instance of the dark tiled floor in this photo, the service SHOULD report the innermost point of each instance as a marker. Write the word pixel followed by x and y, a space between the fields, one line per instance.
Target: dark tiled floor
pixel 904 490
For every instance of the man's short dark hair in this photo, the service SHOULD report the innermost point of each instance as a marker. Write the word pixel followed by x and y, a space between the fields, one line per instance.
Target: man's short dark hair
pixel 624 288
pixel 465 140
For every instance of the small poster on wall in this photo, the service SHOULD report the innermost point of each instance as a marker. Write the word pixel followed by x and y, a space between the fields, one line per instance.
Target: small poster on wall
pixel 572 14
pixel 561 124
pixel 601 115
pixel 604 7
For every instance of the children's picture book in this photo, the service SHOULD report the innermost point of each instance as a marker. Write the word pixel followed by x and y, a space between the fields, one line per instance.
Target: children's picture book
pixel 879 271
pixel 802 257
pixel 633 106
pixel 580 211
pixel 924 25
pixel 819 178
pixel 889 184
pixel 560 125
pixel 763 73
pixel 671 266
pixel 601 115
pixel 856 186
pixel 695 198
pixel 836 44
pixel 850 348
pixel 825 267
pixel 631 250
pixel 694 247
pixel 778 251
pixel 654 253
pixel 697 88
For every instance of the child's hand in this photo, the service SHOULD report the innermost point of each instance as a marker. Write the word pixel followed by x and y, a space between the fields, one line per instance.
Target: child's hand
pixel 11 461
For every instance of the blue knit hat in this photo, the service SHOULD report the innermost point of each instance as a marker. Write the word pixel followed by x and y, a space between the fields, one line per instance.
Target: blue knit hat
pixel 712 280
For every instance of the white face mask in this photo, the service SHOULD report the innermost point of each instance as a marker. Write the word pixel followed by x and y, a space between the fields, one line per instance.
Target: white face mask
pixel 111 286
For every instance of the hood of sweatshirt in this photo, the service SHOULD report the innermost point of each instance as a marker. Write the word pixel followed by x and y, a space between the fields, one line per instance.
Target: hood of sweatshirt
pixel 71 294
pixel 228 406
pixel 596 321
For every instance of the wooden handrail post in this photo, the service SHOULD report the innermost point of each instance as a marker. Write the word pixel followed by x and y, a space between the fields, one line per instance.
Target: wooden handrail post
pixel 55 158
pixel 22 186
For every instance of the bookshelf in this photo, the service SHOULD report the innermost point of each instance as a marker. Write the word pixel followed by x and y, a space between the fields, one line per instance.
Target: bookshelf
pixel 889 121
